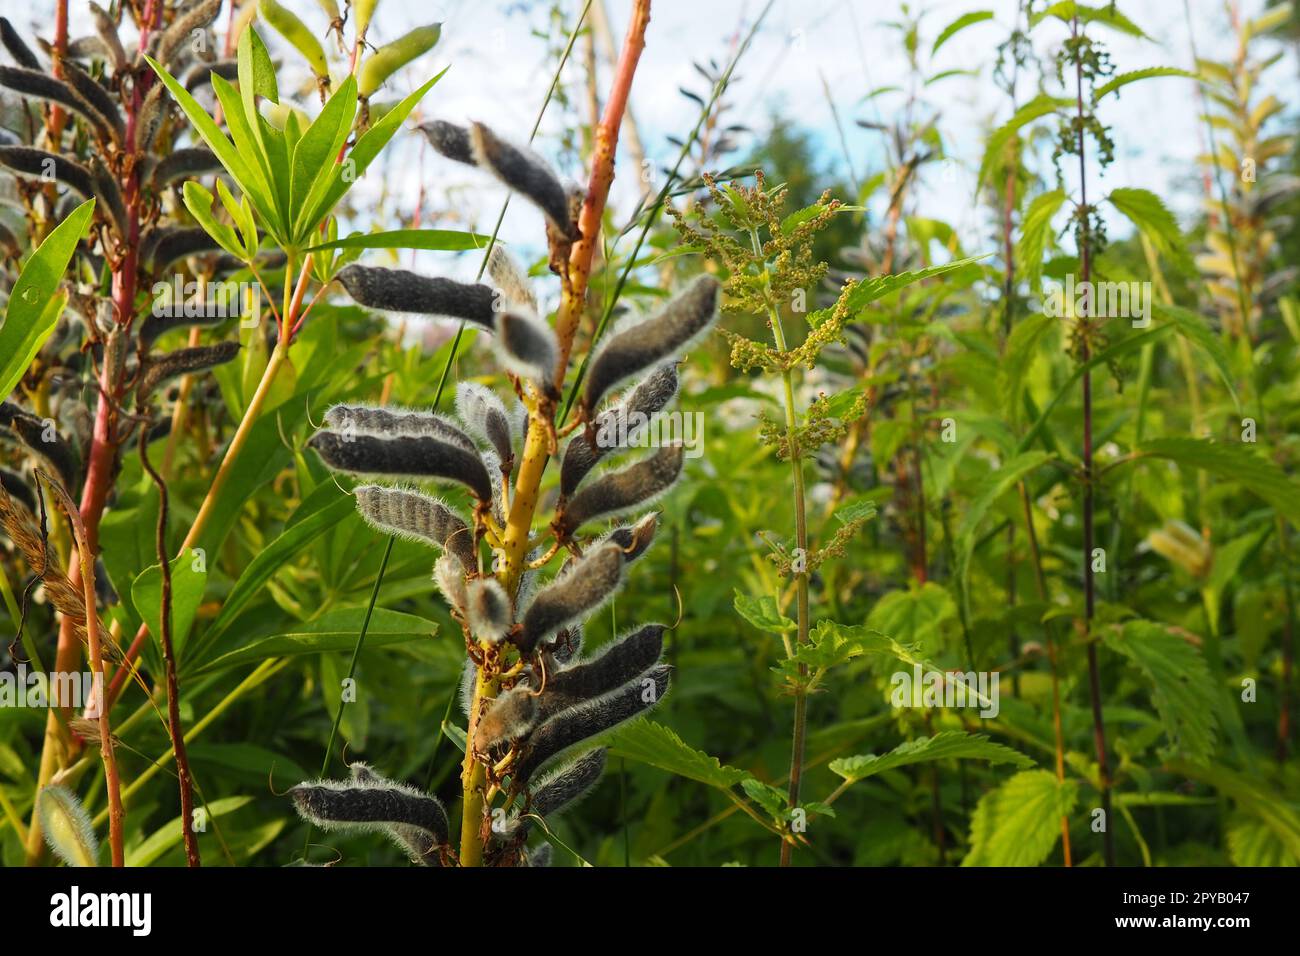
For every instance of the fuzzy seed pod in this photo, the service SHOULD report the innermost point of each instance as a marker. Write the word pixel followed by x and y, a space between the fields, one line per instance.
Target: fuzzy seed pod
pixel 66 826
pixel 41 437
pixel 95 96
pixel 393 56
pixel 182 30
pixel 523 171
pixel 155 326
pixel 541 857
pixel 201 73
pixel 577 591
pixel 484 416
pixel 417 517
pixel 570 783
pixel 152 113
pixel 395 423
pixel 38 164
pixel 158 369
pixel 658 339
pixel 494 468
pixel 368 802
pixel 42 86
pixel 13 483
pixel 567 643
pixel 573 726
pixel 164 246
pixel 19 50
pixel 403 457
pixel 585 450
pixel 510 280
pixel 527 346
pixel 468 678
pixel 488 610
pixel 107 30
pixel 450 140
pixel 396 290
pixel 183 164
pixel 449 575
pixel 635 539
pixel 510 717
pixel 298 34
pixel 109 195
pixel 620 491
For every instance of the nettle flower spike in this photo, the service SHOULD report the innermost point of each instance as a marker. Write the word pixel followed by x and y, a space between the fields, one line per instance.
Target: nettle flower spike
pixel 413 820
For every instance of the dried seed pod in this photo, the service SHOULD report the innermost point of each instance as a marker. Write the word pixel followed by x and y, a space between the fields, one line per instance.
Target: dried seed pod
pixel 157 369
pixel 183 164
pixel 622 424
pixel 526 173
pixel 182 30
pixel 297 33
pixel 392 56
pixel 450 140
pixel 487 609
pixel 417 517
pixel 19 50
pixel 510 280
pixel 403 457
pixel 396 290
pixel 658 339
pixel 635 539
pixel 368 802
pixel 107 30
pixel 96 97
pixel 165 245
pixel 449 575
pixel 484 416
pixel 42 438
pixel 31 163
pixel 395 422
pixel 577 591
pixel 42 86
pixel 620 491
pixel 570 783
pixel 527 346
pixel 150 119
pixel 13 483
pixel 66 826
pixel 571 727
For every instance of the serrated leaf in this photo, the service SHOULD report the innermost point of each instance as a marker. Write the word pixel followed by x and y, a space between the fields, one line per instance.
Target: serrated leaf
pixel 1232 462
pixel 1019 823
pixel 914 616
pixel 1194 328
pixel 1067 10
pixel 1034 230
pixel 654 744
pixel 762 612
pixel 1154 220
pixel 997 141
pixel 961 23
pixel 1124 79
pixel 945 745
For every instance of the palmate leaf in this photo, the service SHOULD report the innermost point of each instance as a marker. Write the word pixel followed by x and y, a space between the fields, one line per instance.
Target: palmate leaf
pixel 1019 823
pixel 1232 461
pixel 1182 690
pixel 945 745
pixel 654 744
pixel 315 152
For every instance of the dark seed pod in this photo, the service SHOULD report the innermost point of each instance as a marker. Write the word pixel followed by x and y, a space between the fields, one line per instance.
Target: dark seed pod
pixel 159 368
pixel 616 664
pixel 635 539
pixel 96 97
pixel 573 726
pixel 510 717
pixel 156 325
pixel 577 591
pixel 450 140
pixel 396 290
pixel 621 491
pixel 152 113
pixel 109 195
pixel 164 246
pixel 417 517
pixel 510 280
pixel 567 643
pixel 19 50
pixel 657 339
pixel 184 164
pixel 13 483
pixel 107 30
pixel 201 73
pixel 484 416
pixel 174 37
pixel 585 449
pixel 527 346
pixel 42 438
pixel 526 173
pixel 488 609
pixel 415 821
pixel 395 423
pixel 404 457
pixel 558 791
pixel 42 86
pixel 539 858
pixel 33 163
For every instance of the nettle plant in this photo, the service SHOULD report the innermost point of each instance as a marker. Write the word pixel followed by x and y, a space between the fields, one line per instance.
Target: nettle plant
pixel 530 695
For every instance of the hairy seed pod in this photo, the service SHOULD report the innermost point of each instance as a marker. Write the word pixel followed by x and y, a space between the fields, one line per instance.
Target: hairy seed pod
pixel 509 718
pixel 42 86
pixel 621 661
pixel 370 803
pixel 150 119
pixel 95 96
pixel 624 423
pixel 449 140
pixel 523 171
pixel 488 610
pixel 395 423
pixel 468 678
pixel 42 438
pixel 19 50
pixel 577 591
pixel 635 539
pixel 201 73
pixel 571 727
pixel 396 290
pixel 449 575
pixel 540 858
pixel 570 783
pixel 393 56
pixel 66 826
pixel 165 245
pixel 417 517
pixel 510 280
pixel 107 30
pixel 657 339
pixel 109 195
pixel 155 326
pixel 159 368
pixel 566 644
pixel 183 164
pixel 485 418
pixel 403 457
pixel 300 37
pixel 615 493
pixel 182 30
pixel 13 483
pixel 527 346
pixel 33 163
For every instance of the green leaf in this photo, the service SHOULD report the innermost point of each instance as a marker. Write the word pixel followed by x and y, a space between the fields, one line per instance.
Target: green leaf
pixel 332 631
pixel 762 612
pixel 961 23
pixel 1109 16
pixel 1181 685
pixel 187 593
pixel 1021 350
pixel 199 202
pixel 915 616
pixel 171 834
pixel 1019 823
pixel 870 290
pixel 1232 462
pixel 1251 796
pixel 1146 211
pixel 1194 328
pixel 245 133
pixel 772 800
pixel 1034 231
pixel 945 745
pixel 1252 843
pixel 1124 79
pixel 997 142
pixel 438 240
pixel 34 301
pixel 654 744
pixel 314 155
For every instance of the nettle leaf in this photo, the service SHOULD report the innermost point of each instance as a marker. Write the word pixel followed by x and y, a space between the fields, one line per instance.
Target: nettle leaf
pixel 830 645
pixel 1232 462
pixel 945 745
pixel 1250 796
pixel 1124 79
pixel 772 800
pixel 961 23
pixel 1195 329
pixel 1021 350
pixel 872 290
pixel 915 616
pixel 654 744
pixel 1067 10
pixel 1034 232
pixel 1154 220
pixel 762 612
pixel 997 142
pixel 1019 823
pixel 1252 843
pixel 1182 687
